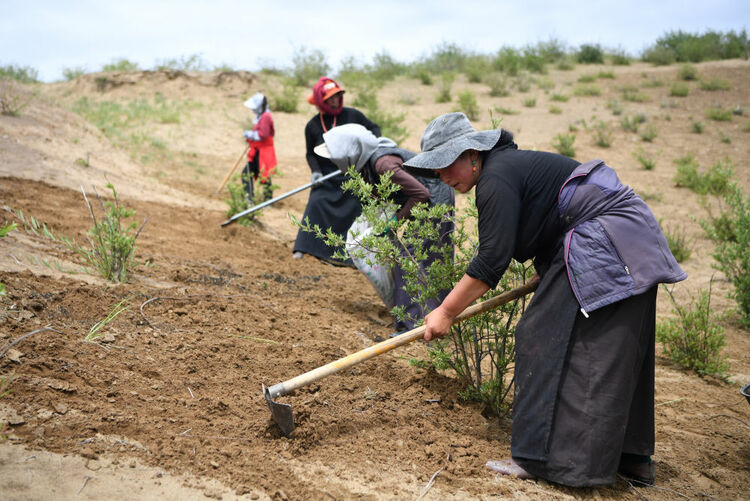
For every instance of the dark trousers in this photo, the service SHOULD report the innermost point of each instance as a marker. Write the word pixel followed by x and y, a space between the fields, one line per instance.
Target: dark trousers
pixel 248 174
pixel 605 403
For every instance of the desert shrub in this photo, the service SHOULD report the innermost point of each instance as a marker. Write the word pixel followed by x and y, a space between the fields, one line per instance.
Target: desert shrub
pixel 687 72
pixel 120 64
pixel 651 83
pixel 476 67
pixel 631 123
pixel 605 74
pixel 446 58
pixel 530 102
pixel 566 63
pixel 715 84
pixel 385 67
pixel 522 82
pixel 73 72
pixel 725 138
pixel 587 78
pixel 719 114
pixel 633 95
pixel 555 110
pixel 602 135
pixel 545 83
pixel 498 85
pixel 508 61
pixel 681 46
pixel 552 50
pixel 614 106
pixel 730 233
pixel 658 56
pixel 287 101
pixel 391 124
pixel 715 181
pixel 678 242
pixel 506 111
pixel 563 143
pixel 694 338
pixel 13 98
pixel 559 97
pixel 479 350
pixel 679 89
pixel 587 90
pixel 444 88
pixel 619 58
pixel 308 66
pixel 648 133
pixel 646 159
pixel 23 74
pixel 239 200
pixel 421 73
pixel 696 127
pixel 467 103
pixel 193 62
pixel 590 54
pixel 533 61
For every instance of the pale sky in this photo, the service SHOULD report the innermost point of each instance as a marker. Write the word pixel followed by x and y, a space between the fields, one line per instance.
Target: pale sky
pixel 50 35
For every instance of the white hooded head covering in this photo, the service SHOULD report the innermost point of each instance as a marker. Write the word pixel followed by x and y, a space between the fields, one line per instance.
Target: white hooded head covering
pixel 259 104
pixel 351 144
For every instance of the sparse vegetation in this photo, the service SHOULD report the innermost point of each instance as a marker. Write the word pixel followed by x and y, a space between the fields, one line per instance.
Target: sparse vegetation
pixel 467 103
pixel 530 102
pixel 444 88
pixel 498 85
pixel 559 97
pixel 679 89
pixel 694 338
pixel 587 90
pixel 646 159
pixel 648 133
pixel 563 143
pixel 555 110
pixel 287 101
pixel 719 114
pixel 715 84
pixel 687 72
pixel 678 242
pixel 73 72
pixel 715 181
pixel 13 98
pixel 4 230
pixel 602 135
pixel 680 46
pixel 696 127
pixel 308 66
pixel 22 74
pixel 120 65
pixel 590 54
pixel 632 123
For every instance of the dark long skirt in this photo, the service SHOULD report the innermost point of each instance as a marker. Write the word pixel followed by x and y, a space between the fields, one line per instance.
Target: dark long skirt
pixel 329 207
pixel 603 401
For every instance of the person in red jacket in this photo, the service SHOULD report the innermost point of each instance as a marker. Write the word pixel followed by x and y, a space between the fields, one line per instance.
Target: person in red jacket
pixel 261 155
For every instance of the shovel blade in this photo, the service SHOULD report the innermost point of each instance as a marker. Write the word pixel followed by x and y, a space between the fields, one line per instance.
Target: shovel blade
pixel 281 413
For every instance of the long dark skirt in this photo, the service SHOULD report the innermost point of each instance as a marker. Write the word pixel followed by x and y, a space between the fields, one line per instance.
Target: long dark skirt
pixel 329 207
pixel 604 400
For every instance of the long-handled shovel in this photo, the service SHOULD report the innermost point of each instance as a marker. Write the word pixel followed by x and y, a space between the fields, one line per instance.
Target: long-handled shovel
pixel 280 197
pixel 282 413
pixel 231 171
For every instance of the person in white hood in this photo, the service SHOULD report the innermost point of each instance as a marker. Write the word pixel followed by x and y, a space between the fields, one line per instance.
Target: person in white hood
pixel 261 155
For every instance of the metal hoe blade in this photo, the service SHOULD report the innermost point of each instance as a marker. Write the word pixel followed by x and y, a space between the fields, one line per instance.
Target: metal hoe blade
pixel 282 413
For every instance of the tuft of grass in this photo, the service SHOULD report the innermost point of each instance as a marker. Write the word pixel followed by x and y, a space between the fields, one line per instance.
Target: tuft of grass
pixel 679 89
pixel 239 200
pixel 467 102
pixel 614 106
pixel 530 102
pixel 678 242
pixel 648 133
pixel 96 330
pixel 587 78
pixel 635 96
pixel 23 74
pixel 555 110
pixel 587 90
pixel 120 65
pixel 649 196
pixel 444 88
pixel 714 84
pixel 73 73
pixel 696 127
pixel 646 159
pixel 13 98
pixel 652 83
pixel 564 144
pixel 605 74
pixel 506 111
pixel 631 124
pixel 694 338
pixel 559 97
pixel 498 85
pixel 719 114
pixel 715 181
pixel 687 72
pixel 287 101
pixel 602 135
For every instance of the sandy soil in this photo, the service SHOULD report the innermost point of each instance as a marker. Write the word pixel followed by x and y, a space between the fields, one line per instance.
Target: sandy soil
pixel 168 404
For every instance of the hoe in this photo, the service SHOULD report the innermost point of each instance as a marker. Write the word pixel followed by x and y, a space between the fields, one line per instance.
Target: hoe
pixel 282 413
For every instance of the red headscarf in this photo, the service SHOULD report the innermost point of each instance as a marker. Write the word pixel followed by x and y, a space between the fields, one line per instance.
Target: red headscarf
pixel 324 89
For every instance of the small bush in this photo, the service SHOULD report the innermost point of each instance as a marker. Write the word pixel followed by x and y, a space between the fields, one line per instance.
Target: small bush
pixel 506 111
pixel 619 58
pixel 467 103
pixel 587 78
pixel 696 127
pixel 645 158
pixel 725 138
pixel 635 96
pixel 658 56
pixel 730 233
pixel 678 243
pixel 498 85
pixel 508 61
pixel 587 90
pixel 476 67
pixel 522 82
pixel 444 88
pixel 73 73
pixel 13 98
pixel 559 97
pixel 602 135
pixel 652 83
pixel 193 62
pixel 239 200
pixel 614 106
pixel 288 100
pixel 566 64
pixel 23 74
pixel 631 124
pixel 687 72
pixel 308 66
pixel 530 102
pixel 715 84
pixel 694 339
pixel 423 75
pixel 605 74
pixel 564 144
pixel 679 89
pixel 121 64
pixel 590 54
pixel 555 110
pixel 648 133
pixel 715 181
pixel 719 114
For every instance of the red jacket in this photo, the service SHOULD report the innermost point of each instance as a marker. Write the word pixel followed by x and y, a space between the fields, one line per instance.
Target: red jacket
pixel 264 148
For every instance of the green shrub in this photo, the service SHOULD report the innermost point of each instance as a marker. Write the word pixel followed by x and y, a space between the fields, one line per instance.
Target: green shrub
pixel 444 88
pixel 120 64
pixel 498 85
pixel 694 338
pixel 635 96
pixel 631 124
pixel 564 144
pixel 545 83
pixel 193 62
pixel 422 74
pixel 476 68
pixel 239 200
pixel 645 158
pixel 719 114
pixel 605 74
pixel 555 110
pixel 23 74
pixel 619 58
pixel 715 181
pixel 530 102
pixel 308 66
pixel 689 47
pixel 533 61
pixel 651 83
pixel 587 78
pixel 287 101
pixel 467 102
pixel 648 133
pixel 602 135
pixel 508 61
pixel 13 98
pixel 478 350
pixel 687 72
pixel 506 111
pixel 559 97
pixel 730 233
pixel 614 106
pixel 679 89
pixel 566 64
pixel 696 127
pixel 715 84
pixel 658 56
pixel 590 54
pixel 73 73
pixel 522 81
pixel 587 90
pixel 678 243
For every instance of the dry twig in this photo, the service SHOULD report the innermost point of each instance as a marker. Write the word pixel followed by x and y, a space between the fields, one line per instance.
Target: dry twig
pixel 432 479
pixel 13 343
pixel 730 417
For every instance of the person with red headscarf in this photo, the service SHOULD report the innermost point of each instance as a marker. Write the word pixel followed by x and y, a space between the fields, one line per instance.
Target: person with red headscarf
pixel 328 205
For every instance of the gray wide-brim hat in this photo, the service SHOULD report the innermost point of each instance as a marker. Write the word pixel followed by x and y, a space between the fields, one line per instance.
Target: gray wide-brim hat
pixel 447 137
